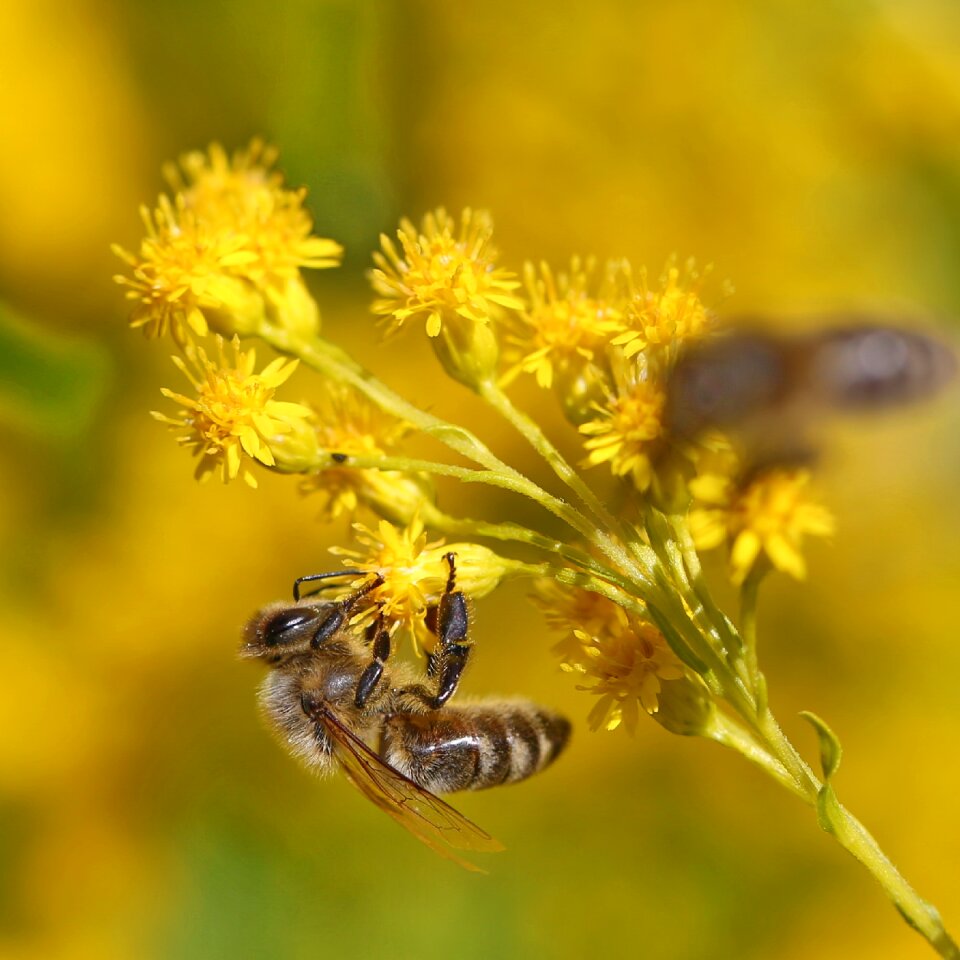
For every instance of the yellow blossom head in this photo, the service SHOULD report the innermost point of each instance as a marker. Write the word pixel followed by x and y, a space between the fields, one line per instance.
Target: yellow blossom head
pixel 234 418
pixel 442 273
pixel 568 318
pixel 624 663
pixel 349 425
pixel 765 517
pixel 226 251
pixel 185 275
pixel 415 572
pixel 665 317
pixel 626 428
pixel 244 196
pixel 623 656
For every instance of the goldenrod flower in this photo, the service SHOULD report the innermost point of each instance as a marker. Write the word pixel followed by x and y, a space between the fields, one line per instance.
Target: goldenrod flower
pixel 568 318
pixel 626 428
pixel 664 317
pixel 441 273
pixel 184 273
pixel 347 423
pixel 226 251
pixel 234 415
pixel 415 574
pixel 567 608
pixel 242 195
pixel 768 516
pixel 625 662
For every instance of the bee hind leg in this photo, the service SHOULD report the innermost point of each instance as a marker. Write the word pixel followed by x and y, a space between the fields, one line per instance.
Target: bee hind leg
pixel 452 627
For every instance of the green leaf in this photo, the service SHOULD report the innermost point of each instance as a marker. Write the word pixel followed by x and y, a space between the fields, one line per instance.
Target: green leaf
pixel 829 814
pixel 830 749
pixel 677 644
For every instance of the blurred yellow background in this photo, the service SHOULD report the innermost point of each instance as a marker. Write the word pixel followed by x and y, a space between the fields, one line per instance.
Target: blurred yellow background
pixel 811 151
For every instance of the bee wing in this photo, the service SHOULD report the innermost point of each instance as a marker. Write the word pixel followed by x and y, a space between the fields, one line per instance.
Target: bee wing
pixel 425 815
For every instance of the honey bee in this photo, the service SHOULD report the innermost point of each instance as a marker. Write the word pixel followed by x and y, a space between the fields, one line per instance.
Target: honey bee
pixel 334 702
pixel 768 389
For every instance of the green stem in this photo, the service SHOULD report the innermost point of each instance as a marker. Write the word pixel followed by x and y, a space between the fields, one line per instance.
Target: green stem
pixel 726 731
pixel 919 914
pixel 531 432
pixel 770 750
pixel 748 622
pixel 614 535
pixel 466 526
pixel 335 363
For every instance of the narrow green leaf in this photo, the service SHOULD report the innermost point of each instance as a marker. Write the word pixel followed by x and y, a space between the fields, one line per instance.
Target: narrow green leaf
pixel 677 644
pixel 830 749
pixel 829 814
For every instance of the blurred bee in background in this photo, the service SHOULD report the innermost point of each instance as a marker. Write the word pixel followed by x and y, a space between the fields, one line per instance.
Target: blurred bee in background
pixel 330 695
pixel 769 390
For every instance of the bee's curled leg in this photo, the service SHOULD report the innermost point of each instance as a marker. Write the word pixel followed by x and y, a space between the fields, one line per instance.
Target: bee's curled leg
pixel 374 671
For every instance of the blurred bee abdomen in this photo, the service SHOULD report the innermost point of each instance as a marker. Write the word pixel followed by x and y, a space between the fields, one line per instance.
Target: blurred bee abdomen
pixel 769 389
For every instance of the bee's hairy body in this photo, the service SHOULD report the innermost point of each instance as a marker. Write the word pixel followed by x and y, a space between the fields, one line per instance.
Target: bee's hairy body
pixel 465 747
pixel 336 704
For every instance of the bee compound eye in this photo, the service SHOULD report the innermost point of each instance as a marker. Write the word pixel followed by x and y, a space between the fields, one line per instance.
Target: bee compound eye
pixel 275 630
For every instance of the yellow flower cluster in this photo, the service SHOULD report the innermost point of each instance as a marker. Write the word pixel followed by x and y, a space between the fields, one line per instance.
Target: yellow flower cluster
pixel 626 428
pixel 234 413
pixel 226 251
pixel 663 318
pixel 763 517
pixel 567 319
pixel 602 339
pixel 348 425
pixel 442 273
pixel 415 574
pixel 621 657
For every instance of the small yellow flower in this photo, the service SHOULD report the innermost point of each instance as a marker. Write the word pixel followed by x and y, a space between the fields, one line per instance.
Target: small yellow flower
pixel 664 317
pixel 243 196
pixel 185 272
pixel 769 515
pixel 624 662
pixel 234 415
pixel 568 318
pixel 441 274
pixel 226 251
pixel 415 574
pixel 625 430
pixel 566 608
pixel 347 423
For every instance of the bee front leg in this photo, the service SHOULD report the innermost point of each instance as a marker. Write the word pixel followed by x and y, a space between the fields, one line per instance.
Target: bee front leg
pixel 374 671
pixel 452 629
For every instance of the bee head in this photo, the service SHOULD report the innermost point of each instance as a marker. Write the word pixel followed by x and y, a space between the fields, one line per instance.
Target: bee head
pixel 283 630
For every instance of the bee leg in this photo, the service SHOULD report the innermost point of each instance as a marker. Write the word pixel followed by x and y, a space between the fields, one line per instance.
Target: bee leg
pixel 335 574
pixel 452 629
pixel 335 619
pixel 372 674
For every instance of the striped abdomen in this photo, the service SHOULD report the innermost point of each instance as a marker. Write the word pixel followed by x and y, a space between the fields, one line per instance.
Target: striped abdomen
pixel 474 746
